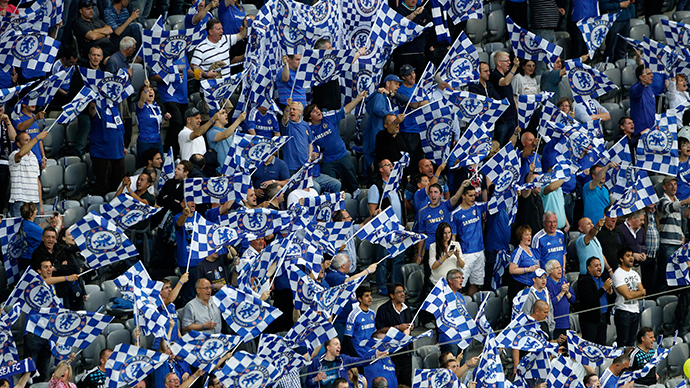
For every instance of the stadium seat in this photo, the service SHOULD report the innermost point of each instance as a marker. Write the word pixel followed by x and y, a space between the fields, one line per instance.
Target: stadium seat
pixel 51 162
pixel 347 128
pixel 473 308
pixel 53 142
pixel 663 300
pixel 94 208
pixel 407 270
pixel 89 288
pixel 71 134
pixel 138 77
pixel 639 32
pixel 669 311
pixel 622 63
pixel 149 23
pixel 109 197
pixel 611 126
pixel 129 325
pixel 676 358
pixel 479 296
pixel 68 160
pixel 250 9
pixel 91 200
pixel 73 215
pixel 652 317
pixel 610 335
pixel 625 104
pixel 613 74
pixel 680 15
pixel 496 25
pixel 173 280
pixel 673 383
pixel 659 34
pixel 366 253
pixel 571 256
pixel 502 292
pixel 424 350
pixel 574 323
pixel 112 327
pixel 669 342
pixel 431 361
pixel 65 204
pixel 351 207
pixel 483 57
pixel 572 277
pixel 51 182
pixel 174 19
pixel 654 20
pixel 130 163
pixel 476 30
pixel 111 290
pixel 636 22
pixel 628 78
pixel 118 337
pixel 490 47
pixel 415 283
pixel 363 208
pixel 74 179
pixel 492 311
pixel 95 301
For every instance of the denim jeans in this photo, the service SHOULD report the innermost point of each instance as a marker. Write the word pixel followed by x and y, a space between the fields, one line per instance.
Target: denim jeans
pixel 627 324
pixel 396 263
pixel 38 349
pixel 144 7
pixel 616 47
pixel 325 183
pixel 503 130
pixel 81 140
pixel 682 314
pixel 343 169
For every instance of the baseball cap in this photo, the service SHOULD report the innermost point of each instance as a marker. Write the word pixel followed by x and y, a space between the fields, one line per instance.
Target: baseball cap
pixel 392 77
pixel 406 70
pixel 670 178
pixel 191 112
pixel 539 272
pixel 85 3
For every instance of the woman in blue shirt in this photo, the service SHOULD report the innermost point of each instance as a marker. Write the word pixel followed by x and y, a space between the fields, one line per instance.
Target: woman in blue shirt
pixel 523 262
pixel 150 119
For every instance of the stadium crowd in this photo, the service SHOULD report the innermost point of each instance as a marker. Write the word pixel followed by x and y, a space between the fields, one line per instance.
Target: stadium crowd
pixel 562 254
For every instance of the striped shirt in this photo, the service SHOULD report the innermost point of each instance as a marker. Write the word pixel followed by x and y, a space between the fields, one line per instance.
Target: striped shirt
pixel 652 238
pixel 670 231
pixel 207 53
pixel 544 14
pixel 23 176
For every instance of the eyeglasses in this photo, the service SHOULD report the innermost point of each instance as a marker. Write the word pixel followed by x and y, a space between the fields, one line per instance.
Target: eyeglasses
pixel 204 288
pixel 386 165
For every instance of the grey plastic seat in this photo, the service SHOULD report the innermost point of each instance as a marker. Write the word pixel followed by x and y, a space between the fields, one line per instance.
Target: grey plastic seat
pixel 138 76
pixel 472 308
pixel 639 32
pixel 74 179
pixel 130 163
pixel 407 270
pixel 91 200
pixel 53 142
pixel 614 75
pixel 676 358
pixel 111 290
pixel 636 22
pixel 480 295
pixel 96 208
pixel 611 126
pixel 95 301
pixel 663 300
pixel 490 47
pixel 109 197
pixel 149 23
pixel 250 9
pixel 628 78
pixel 366 253
pixel 673 383
pixel 654 20
pixel 669 311
pixel 71 133
pixel 173 280
pixel 476 30
pixel 174 19
pixel 668 342
pixel 659 34
pixel 496 25
pixel 431 361
pixel 415 283
pixel 51 181
pixel 352 208
pixel 622 63
pixel 68 160
pixel 112 327
pixel 89 288
pixel 492 311
pixel 118 337
pixel 423 352
pixel 347 127
pixel 652 317
pixel 363 208
pixel 64 205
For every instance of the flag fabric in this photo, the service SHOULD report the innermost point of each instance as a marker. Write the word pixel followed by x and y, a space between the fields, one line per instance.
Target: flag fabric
pixel 301 250
pixel 282 356
pixel 551 113
pixel 129 364
pixel 217 190
pixel 165 47
pixel 473 146
pixel 657 149
pixel 333 300
pixel 504 170
pixel 370 231
pixel 398 240
pixel 245 370
pixel 23 366
pixel 660 354
pixel 77 105
pixel 110 88
pixel 636 197
pixel 659 57
pixel 124 212
pixel 435 378
pixel 12 243
pixel 320 66
pixel 256 272
pixel 33 293
pixel 136 281
pixel 586 82
pixel 562 376
pixel 594 30
pixel 9 93
pixel 560 171
pixel 66 327
pixel 677 34
pixel 527 45
pixel 471 105
pixel 363 74
pixel 425 84
pixel 502 261
pixel 246 314
pixel 438 9
pixel 100 241
pixel 461 10
pixel 677 267
pixel 295 28
pixel 42 94
pixel 524 333
pixel 43 14
pixel 619 153
pixel 393 341
pixel 300 180
pixel 304 289
pixel 248 152
pixel 392 29
pixel 452 316
pixel 489 372
pixel 208 237
pixel 357 22
pixel 589 353
pixel 393 183
pixel 437 119
pixel 322 208
pixel 330 235
pixel 215 90
pixel 204 350
pixel 8 347
pixel 527 104
pixel 460 66
pixel 168 169
pixel 534 365
pixel 29 50
pixel 259 222
pixel 311 329
pixel 636 44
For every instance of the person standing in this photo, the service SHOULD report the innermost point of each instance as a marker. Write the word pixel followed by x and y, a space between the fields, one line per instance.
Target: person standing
pixel 550 241
pixel 562 296
pixel 395 313
pixel 616 47
pixel 468 226
pixel 501 79
pixel 670 214
pixel 594 291
pixel 629 288
pixel 642 101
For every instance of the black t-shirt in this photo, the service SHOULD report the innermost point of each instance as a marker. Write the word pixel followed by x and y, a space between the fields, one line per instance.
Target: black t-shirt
pixel 504 92
pixel 216 272
pixel 5 144
pixel 82 27
pixel 330 368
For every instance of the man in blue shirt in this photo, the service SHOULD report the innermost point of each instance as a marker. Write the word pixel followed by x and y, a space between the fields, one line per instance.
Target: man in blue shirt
pixel 468 226
pixel 336 275
pixel 550 241
pixel 336 160
pixel 609 378
pixel 297 151
pixel 272 171
pixel 378 105
pixel 529 156
pixel 220 138
pixel 642 102
pixel 432 215
pixel 175 103
pixel 107 148
pixel 27 122
pixel 361 324
pixel 595 195
pixel 409 129
pixel 288 89
pixel 262 122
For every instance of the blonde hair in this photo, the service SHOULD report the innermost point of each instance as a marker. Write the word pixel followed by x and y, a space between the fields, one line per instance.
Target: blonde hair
pixel 69 370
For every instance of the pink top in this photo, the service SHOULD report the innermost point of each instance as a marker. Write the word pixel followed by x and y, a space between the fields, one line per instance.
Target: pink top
pixel 10 9
pixel 55 383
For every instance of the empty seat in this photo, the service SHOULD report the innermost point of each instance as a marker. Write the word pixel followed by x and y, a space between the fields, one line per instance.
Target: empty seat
pixel 636 22
pixel 68 160
pixel 112 327
pixel 669 311
pixel 89 288
pixel 174 19
pixel 611 126
pixel 366 253
pixel 89 200
pixel 74 179
pixel 496 25
pixel 138 76
pixel 96 300
pixel 250 9
pixel 622 63
pixel 51 181
pixel 130 163
pixel 479 296
pixel 676 358
pixel 415 283
pixel 431 361
pixel 52 144
pixel 669 342
pixel 654 20
pixel 73 215
pixel 628 78
pixel 71 133
pixel 652 317
pixel 363 208
pixel 347 127
pixel 659 34
pixel 111 290
pixel 351 207
pixel 407 270
pixel 614 75
pixel 494 46
pixel 680 15
pixel 118 337
pixel 476 30
pixel 639 32
pixel 663 300
pixel 109 197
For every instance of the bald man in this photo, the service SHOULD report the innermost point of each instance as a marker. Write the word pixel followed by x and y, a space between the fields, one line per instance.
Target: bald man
pixel 531 162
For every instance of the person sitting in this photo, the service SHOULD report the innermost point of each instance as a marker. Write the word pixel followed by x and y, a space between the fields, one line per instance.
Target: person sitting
pixel 118 18
pixel 96 377
pixel 201 313
pixel 91 31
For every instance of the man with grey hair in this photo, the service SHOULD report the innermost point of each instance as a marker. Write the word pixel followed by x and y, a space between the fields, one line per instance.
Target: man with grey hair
pixel 633 236
pixel 120 60
pixel 501 78
pixel 200 313
pixel 379 382
pixel 531 295
pixel 454 277
pixel 562 296
pixel 550 241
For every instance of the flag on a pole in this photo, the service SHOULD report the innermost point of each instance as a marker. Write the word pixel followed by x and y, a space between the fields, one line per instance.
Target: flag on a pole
pixel 66 327
pixel 471 105
pixel 504 170
pixel 204 350
pixel 489 371
pixel 259 222
pixel 320 66
pixel 9 93
pixel 677 34
pixel 42 94
pixel 551 113
pixel 460 10
pixel 437 120
pixel 435 378
pixel 304 289
pixel 677 267
pixel 587 82
pixel 208 238
pixel 8 347
pixel 330 235
pixel 29 50
pixel 657 149
pixel 392 29
pixel 246 313
pixel 562 376
pixel 256 272
pixel 129 364
pixel 311 329
pixel 168 169
pixel 248 152
pixel 333 300
pixel 110 88
pixel 42 14
pixel 527 104
pixel 125 211
pixel 165 47
pixel 218 89
pixel 285 359
pixel 245 370
pixel 217 190
pixel 534 365
pixel 33 293
pixel 451 314
pixel 393 183
pixel 473 146
pixel 12 243
pixel 524 333
pixel 636 197
pixel 393 341
pixel 425 84
pixel 398 239
pixel 371 230
pixel 527 45
pixel 100 242
pixel 659 58
pixel 660 354
pixel 460 66
pixel 594 30
pixel 589 353
pixel 77 105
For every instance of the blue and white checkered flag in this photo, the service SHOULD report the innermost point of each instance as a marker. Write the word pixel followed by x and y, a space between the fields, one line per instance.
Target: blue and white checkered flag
pixel 524 333
pixel 677 267
pixel 208 238
pixel 504 170
pixel 471 105
pixel 393 183
pixel 218 89
pixel 425 84
pixel 561 170
pixel 619 153
pixel 129 364
pixel 489 371
pixel 676 33
pixel 461 10
pixel 398 240
pixel 33 293
pixel 527 104
pixel 13 243
pixel 165 47
pixel 437 120
pixel 435 378
pixel 259 222
pixel 29 50
pixel 300 180
pixel 659 58
pixel 636 44
pixel 255 272
pixel 625 377
pixel 244 370
pixel 125 212
pixel 168 169
pixel 393 341
pixel 333 300
pixel 363 74
pixel 111 88
pixel 586 82
pixel 304 289
pixel 60 352
pixel 136 282
pixel 518 301
pixel 314 236
pixel 76 106
pixel 248 152
pixel 636 197
pixel 100 241
pixel 330 234
pixel 320 66
pixel 527 45
pixel 217 190
pixel 203 350
pixel 502 261
pixel 246 313
pixel 589 353
pixel 283 357
pixel 534 365
pixel 460 66
pixel 473 146
pixel 322 208
pixel 594 30
pixel 357 20
pixel 392 29
pixel 43 14
pixel 45 90
pixel 66 327
pixel 311 329
pixel 657 149
pixel 9 93
pixel 370 231
pixel 295 26
pixel 452 317
pixel 302 251
pixel 619 179
pixel 551 113
pixel 8 347
pixel 562 376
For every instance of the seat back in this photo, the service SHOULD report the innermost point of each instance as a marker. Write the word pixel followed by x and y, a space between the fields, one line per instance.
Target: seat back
pixel 639 32
pixel 51 181
pixel 496 25
pixel 652 317
pixel 118 337
pixel 628 78
pixel 95 301
pixel 74 179
pixel 415 283
pixel 53 142
pixel 476 30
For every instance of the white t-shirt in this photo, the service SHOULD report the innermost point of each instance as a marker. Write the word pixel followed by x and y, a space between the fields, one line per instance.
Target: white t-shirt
pixel 525 85
pixel 450 263
pixel 190 147
pixel 24 178
pixel 296 195
pixel 630 279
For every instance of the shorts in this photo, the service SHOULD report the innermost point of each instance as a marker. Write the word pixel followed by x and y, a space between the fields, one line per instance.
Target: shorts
pixel 473 273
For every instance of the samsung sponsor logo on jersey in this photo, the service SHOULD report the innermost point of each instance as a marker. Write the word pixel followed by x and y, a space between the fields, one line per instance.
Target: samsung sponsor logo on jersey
pixel 470 221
